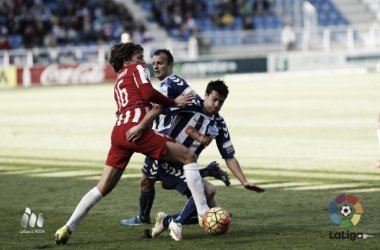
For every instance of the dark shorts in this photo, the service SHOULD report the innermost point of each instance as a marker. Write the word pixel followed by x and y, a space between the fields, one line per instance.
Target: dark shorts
pixel 150 168
pixel 173 177
pixel 151 144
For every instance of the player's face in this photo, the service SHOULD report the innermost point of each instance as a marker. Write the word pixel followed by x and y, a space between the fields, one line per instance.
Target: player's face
pixel 138 57
pixel 160 66
pixel 213 103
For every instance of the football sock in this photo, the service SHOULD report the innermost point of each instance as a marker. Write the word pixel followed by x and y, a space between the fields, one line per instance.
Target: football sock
pixel 195 184
pixel 146 203
pixel 84 206
pixel 169 219
pixel 188 211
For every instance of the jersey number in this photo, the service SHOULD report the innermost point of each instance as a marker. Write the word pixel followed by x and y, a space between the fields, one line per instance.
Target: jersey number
pixel 122 95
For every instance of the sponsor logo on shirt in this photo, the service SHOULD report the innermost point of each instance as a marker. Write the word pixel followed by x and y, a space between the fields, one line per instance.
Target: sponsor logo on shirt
pixel 197 122
pixel 147 73
pixel 228 146
pixel 197 136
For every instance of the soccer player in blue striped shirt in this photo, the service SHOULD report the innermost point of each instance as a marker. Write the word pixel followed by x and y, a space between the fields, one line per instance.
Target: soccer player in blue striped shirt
pixel 172 86
pixel 195 126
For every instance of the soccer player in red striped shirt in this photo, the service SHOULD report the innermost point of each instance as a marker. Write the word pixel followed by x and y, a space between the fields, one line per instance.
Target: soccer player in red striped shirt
pixel 134 93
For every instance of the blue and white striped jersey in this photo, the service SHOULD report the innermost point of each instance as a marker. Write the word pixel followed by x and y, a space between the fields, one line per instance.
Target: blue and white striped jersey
pixel 195 130
pixel 172 87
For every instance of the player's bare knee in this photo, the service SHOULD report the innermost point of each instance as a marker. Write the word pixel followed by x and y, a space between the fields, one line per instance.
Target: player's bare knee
pixel 105 189
pixel 146 184
pixel 210 192
pixel 190 157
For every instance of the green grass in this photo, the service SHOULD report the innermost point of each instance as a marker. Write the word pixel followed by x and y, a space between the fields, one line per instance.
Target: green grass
pixel 306 140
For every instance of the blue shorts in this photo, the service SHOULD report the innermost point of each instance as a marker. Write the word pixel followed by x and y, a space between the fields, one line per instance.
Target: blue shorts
pixel 150 168
pixel 171 175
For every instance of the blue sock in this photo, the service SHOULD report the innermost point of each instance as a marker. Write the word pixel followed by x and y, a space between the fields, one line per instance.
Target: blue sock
pixel 146 203
pixel 170 217
pixel 189 211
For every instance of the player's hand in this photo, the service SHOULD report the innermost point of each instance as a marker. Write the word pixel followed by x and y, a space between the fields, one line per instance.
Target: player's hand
pixel 184 99
pixel 134 133
pixel 253 187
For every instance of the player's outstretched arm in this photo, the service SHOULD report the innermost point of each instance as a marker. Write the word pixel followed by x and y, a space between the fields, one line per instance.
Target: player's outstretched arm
pixel 152 95
pixel 234 166
pixel 134 133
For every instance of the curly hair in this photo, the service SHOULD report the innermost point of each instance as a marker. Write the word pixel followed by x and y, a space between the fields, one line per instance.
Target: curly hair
pixel 123 52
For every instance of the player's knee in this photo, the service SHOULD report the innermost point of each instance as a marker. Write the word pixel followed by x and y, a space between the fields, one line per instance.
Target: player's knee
pixel 146 183
pixel 105 189
pixel 190 157
pixel 210 191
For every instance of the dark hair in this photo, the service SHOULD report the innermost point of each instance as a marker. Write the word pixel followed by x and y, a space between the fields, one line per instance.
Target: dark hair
pixel 167 53
pixel 123 52
pixel 219 86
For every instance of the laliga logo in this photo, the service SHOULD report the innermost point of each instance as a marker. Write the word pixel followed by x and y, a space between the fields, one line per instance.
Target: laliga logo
pixel 346 203
pixel 346 211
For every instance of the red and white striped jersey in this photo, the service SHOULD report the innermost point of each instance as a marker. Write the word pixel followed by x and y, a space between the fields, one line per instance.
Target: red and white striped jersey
pixel 131 105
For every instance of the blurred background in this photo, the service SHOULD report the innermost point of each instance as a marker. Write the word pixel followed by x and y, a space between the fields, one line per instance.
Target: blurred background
pixel 216 37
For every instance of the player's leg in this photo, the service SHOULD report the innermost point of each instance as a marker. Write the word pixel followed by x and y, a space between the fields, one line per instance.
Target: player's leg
pixel 117 159
pixel 110 177
pixel 162 147
pixel 189 209
pixel 189 212
pixel 176 152
pixel 147 189
pixel 147 181
pixel 215 171
pixel 187 216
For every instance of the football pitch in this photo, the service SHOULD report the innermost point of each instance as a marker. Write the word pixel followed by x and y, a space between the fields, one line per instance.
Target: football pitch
pixel 306 140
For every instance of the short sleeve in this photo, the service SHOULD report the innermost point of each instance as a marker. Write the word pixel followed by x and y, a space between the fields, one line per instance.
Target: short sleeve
pixel 223 141
pixel 141 75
